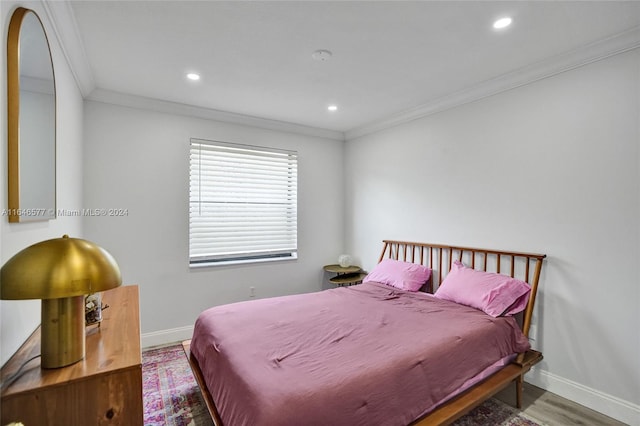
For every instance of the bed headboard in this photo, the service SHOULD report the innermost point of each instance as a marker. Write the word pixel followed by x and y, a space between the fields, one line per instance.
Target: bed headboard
pixel 439 257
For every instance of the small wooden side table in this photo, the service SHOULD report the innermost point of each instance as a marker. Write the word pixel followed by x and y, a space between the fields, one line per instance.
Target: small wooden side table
pixel 345 276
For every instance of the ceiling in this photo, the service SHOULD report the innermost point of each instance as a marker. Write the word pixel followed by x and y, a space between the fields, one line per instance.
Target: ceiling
pixel 388 57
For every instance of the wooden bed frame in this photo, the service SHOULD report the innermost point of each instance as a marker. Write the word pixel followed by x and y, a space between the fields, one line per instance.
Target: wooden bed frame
pixel 438 257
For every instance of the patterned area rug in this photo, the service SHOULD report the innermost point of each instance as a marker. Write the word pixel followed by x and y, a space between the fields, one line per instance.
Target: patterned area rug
pixel 494 412
pixel 170 394
pixel 172 398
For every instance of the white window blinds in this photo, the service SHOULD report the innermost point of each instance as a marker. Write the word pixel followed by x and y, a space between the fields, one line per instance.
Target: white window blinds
pixel 243 203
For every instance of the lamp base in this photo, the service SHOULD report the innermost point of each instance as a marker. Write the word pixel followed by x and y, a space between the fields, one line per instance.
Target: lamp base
pixel 63 331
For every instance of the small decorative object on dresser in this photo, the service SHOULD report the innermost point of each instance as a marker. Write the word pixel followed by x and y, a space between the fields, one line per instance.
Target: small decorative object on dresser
pixel 93 308
pixel 345 276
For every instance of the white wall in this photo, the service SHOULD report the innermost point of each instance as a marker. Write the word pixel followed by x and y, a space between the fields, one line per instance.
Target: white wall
pixel 139 160
pixel 551 167
pixel 19 318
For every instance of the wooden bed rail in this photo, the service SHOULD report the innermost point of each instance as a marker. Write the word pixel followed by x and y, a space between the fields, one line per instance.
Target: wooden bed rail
pixel 439 257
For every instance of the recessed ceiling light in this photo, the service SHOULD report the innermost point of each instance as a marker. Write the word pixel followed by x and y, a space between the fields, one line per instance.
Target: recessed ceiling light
pixel 502 23
pixel 193 76
pixel 332 108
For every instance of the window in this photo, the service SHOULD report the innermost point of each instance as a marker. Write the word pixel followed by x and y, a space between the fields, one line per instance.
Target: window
pixel 242 203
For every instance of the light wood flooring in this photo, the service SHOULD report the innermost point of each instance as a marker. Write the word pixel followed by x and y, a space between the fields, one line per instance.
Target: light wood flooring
pixel 553 410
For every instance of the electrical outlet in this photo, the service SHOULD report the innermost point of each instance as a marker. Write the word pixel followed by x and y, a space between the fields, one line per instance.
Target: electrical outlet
pixel 252 292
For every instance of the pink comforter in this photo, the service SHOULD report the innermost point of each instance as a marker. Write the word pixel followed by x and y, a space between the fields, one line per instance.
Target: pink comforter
pixel 362 355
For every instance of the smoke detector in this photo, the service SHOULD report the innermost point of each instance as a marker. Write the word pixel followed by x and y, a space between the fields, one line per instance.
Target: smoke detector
pixel 321 55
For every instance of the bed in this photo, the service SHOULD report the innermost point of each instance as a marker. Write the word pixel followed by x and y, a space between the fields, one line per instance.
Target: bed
pixel 380 352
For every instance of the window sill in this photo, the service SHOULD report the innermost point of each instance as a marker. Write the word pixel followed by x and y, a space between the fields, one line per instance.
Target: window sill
pixel 234 262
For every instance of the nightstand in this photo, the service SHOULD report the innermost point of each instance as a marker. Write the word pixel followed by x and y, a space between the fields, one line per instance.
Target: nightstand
pixel 345 276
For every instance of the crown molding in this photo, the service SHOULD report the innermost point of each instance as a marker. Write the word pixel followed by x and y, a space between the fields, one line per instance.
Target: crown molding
pixel 65 28
pixel 581 56
pixel 140 102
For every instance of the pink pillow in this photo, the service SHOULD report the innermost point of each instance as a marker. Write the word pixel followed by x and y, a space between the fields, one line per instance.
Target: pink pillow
pixel 495 294
pixel 402 275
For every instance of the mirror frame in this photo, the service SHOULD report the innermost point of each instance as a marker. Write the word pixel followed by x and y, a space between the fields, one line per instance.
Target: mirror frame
pixel 13 118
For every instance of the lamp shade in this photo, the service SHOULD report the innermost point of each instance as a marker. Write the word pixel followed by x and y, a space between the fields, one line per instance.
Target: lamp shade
pixel 58 268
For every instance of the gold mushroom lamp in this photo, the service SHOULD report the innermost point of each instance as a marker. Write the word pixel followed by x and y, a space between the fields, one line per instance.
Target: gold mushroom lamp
pixel 60 271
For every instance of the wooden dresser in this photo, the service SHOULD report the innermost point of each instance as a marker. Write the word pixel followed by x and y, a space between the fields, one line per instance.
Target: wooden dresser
pixel 105 388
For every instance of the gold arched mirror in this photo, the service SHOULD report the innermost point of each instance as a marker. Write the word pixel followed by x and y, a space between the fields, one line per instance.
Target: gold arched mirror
pixel 31 96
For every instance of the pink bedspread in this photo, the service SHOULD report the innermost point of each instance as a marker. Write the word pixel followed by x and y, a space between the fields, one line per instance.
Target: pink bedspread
pixel 361 355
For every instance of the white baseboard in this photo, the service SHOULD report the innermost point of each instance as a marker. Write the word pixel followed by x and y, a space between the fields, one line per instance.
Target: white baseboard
pixel 163 337
pixel 617 408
